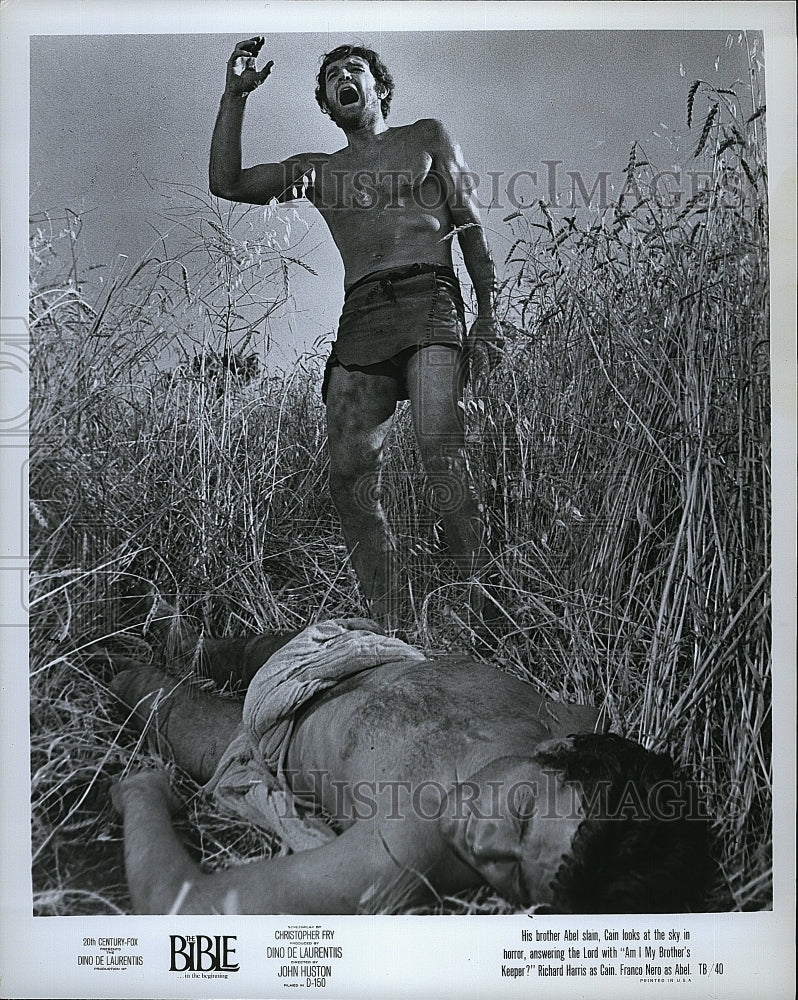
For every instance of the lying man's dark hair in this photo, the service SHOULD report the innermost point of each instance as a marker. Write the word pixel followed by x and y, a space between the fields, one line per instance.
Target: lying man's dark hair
pixel 379 71
pixel 643 845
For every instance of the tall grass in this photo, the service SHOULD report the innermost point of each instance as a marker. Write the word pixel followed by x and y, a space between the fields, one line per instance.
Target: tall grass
pixel 646 391
pixel 623 456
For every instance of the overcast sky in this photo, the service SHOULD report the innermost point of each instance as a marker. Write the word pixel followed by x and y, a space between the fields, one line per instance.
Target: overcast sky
pixel 116 117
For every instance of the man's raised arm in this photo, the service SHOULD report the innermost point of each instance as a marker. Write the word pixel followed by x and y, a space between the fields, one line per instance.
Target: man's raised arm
pixel 227 178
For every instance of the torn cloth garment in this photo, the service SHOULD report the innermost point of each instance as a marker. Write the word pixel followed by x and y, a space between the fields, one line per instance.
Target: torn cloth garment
pixel 389 315
pixel 249 779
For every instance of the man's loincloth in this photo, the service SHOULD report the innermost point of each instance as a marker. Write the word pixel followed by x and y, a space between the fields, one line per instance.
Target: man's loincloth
pixel 249 780
pixel 389 315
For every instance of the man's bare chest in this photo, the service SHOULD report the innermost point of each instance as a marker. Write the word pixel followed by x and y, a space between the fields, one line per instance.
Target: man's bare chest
pixel 394 177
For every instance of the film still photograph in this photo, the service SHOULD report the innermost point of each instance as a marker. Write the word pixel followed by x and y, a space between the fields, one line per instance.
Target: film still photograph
pixel 400 473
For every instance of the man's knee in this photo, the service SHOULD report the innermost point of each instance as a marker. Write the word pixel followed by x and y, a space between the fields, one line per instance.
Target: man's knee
pixel 356 489
pixel 355 464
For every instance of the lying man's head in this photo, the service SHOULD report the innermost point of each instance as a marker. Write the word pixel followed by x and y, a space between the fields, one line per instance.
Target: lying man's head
pixel 589 824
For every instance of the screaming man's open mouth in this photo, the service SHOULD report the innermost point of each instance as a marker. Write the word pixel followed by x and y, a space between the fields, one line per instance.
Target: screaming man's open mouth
pixel 347 95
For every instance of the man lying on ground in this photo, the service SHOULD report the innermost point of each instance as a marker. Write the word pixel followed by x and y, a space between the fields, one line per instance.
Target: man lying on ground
pixel 438 776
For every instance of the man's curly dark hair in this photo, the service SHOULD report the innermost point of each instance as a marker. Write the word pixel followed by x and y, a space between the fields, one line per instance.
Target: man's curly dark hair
pixel 643 845
pixel 379 71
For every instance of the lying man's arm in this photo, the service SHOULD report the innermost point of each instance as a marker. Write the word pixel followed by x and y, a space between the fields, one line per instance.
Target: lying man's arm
pixel 332 879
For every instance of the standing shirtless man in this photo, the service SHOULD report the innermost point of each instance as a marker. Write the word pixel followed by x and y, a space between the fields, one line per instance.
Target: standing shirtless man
pixel 393 198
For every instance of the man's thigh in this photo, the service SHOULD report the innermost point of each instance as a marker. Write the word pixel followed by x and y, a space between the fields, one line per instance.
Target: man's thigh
pixel 435 381
pixel 360 407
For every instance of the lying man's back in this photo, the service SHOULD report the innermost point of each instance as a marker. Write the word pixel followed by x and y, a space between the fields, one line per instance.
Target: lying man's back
pixel 429 720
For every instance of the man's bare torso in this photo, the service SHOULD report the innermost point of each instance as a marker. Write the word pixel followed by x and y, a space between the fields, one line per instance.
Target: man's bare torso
pixel 385 204
pixel 429 721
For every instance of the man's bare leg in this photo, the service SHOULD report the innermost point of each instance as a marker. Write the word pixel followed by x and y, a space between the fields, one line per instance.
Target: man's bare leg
pixel 360 410
pixel 197 726
pixel 231 661
pixel 435 380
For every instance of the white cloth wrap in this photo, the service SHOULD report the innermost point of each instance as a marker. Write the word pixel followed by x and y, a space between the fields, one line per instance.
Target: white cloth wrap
pixel 249 780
